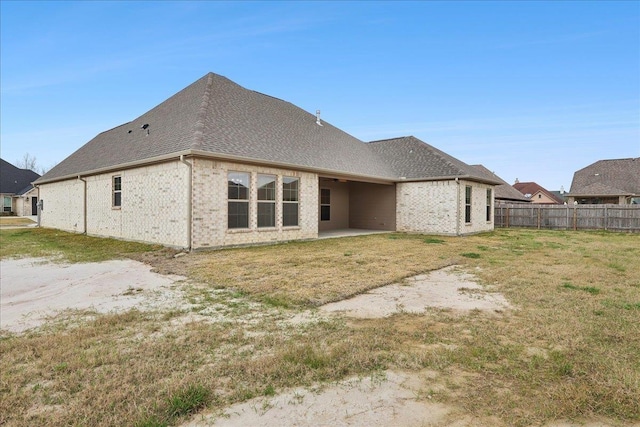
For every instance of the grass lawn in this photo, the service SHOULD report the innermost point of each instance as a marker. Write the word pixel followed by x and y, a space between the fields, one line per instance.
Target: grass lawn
pixel 570 349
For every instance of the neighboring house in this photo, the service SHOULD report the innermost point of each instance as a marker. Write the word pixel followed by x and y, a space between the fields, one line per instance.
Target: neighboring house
pixel 505 193
pixel 217 165
pixel 538 194
pixel 560 194
pixel 19 197
pixel 615 181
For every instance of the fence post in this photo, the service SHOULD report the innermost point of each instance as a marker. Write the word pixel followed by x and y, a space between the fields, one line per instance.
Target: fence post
pixel 575 218
pixel 606 219
pixel 538 218
pixel 507 221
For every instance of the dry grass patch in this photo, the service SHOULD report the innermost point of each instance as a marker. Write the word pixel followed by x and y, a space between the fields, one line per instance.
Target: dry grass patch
pixel 10 221
pixel 318 272
pixel 566 351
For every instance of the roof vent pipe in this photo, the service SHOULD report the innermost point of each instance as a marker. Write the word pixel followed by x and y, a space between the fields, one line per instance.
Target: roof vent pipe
pixel 318 118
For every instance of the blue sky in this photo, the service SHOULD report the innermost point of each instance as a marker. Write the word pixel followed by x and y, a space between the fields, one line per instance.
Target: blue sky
pixel 532 90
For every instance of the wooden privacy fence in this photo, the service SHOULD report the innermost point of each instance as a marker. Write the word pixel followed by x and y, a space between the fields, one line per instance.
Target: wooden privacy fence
pixel 566 217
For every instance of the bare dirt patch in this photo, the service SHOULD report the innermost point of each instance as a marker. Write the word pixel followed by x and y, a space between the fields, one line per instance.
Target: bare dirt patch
pixel 384 399
pixel 34 290
pixel 448 288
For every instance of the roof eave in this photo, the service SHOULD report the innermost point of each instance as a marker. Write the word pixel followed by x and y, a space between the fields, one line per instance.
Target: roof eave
pixel 452 177
pixel 600 195
pixel 285 165
pixel 121 166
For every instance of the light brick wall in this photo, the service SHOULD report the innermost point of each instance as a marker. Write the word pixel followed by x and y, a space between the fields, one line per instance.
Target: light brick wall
pixel 210 206
pixel 154 205
pixel 63 205
pixel 479 221
pixel 438 207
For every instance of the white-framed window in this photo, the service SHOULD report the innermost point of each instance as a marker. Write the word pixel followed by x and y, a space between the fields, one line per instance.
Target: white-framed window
pixel 238 199
pixel 6 204
pixel 266 201
pixel 325 204
pixel 116 185
pixel 290 201
pixel 489 203
pixel 467 204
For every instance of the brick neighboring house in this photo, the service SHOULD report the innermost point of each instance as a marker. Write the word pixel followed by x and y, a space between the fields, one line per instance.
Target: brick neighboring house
pixel 538 194
pixel 218 165
pixel 615 181
pixel 19 196
pixel 505 192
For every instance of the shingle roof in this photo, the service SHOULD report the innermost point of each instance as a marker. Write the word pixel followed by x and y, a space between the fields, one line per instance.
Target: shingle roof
pixel 532 188
pixel 615 177
pixel 504 191
pixel 411 159
pixel 215 116
pixel 14 180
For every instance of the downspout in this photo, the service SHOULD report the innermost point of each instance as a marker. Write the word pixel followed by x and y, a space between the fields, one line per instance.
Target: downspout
pixel 189 201
pixel 84 205
pixel 458 207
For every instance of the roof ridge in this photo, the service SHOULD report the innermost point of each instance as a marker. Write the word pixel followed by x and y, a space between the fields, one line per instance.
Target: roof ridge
pixel 387 139
pixel 198 133
pixel 442 155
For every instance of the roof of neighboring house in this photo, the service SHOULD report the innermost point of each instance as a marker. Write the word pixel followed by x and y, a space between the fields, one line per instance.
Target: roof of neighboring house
pixel 14 180
pixel 533 188
pixel 216 117
pixel 504 191
pixel 615 177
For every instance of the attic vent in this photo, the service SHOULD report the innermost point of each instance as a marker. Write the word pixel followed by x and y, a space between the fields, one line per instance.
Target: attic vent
pixel 318 118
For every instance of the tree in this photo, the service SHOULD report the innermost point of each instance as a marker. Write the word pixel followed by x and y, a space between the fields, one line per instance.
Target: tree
pixel 29 162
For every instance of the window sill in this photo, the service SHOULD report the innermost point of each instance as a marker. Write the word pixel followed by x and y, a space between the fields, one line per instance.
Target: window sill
pixel 116 208
pixel 238 230
pixel 267 229
pixel 291 228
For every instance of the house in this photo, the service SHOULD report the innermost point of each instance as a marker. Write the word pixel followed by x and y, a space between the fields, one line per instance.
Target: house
pixel 19 197
pixel 504 192
pixel 615 181
pixel 220 165
pixel 538 194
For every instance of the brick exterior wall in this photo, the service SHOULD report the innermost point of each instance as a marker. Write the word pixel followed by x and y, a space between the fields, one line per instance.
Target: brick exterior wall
pixel 210 206
pixel 63 205
pixel 430 207
pixel 154 205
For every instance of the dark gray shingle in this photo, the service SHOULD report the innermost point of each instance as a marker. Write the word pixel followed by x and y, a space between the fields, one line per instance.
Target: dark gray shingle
pixel 217 117
pixel 615 177
pixel 14 180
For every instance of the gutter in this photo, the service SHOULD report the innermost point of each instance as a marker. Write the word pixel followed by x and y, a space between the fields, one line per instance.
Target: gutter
pixel 84 205
pixel 189 202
